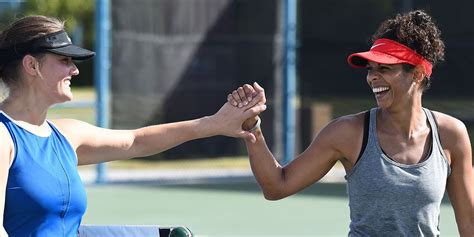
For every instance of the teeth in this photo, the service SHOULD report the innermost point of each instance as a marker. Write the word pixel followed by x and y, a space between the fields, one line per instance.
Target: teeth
pixel 379 89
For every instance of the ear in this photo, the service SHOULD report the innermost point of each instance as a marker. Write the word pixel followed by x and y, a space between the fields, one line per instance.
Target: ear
pixel 418 74
pixel 30 65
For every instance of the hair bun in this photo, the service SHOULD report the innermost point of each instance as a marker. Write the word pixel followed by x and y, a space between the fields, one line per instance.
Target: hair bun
pixel 420 17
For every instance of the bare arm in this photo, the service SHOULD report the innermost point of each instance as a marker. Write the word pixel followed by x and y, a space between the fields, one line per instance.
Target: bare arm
pixel 460 184
pixel 94 145
pixel 337 141
pixel 6 146
pixel 326 149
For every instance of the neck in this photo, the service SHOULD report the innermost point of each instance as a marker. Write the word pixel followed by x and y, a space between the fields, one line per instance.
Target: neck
pixel 406 122
pixel 27 108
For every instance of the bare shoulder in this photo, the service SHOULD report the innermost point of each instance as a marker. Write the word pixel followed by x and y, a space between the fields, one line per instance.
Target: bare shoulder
pixel 75 130
pixel 67 125
pixel 346 125
pixel 345 134
pixel 453 135
pixel 449 126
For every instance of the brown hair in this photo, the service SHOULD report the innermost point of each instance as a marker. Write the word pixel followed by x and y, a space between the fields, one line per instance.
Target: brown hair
pixel 24 30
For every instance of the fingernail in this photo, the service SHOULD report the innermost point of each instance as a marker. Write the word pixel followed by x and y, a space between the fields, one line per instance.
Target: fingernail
pixel 249 99
pixel 240 105
pixel 245 102
pixel 234 103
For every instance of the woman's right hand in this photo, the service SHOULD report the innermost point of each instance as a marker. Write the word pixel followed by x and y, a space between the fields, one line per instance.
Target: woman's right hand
pixel 242 96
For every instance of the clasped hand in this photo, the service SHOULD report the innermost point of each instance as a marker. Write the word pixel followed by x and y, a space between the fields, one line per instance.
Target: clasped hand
pixel 244 95
pixel 239 114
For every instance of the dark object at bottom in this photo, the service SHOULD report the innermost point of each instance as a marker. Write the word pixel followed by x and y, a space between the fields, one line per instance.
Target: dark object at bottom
pixel 180 231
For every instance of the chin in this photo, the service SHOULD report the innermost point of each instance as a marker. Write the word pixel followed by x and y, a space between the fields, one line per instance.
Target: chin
pixel 67 98
pixel 383 105
pixel 69 94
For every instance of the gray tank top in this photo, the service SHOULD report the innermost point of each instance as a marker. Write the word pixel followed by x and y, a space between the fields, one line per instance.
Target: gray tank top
pixel 387 198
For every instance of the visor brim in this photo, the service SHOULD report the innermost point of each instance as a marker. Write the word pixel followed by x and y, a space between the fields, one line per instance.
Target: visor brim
pixel 73 51
pixel 360 60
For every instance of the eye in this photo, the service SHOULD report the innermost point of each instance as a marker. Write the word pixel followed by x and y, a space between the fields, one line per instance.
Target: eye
pixel 66 60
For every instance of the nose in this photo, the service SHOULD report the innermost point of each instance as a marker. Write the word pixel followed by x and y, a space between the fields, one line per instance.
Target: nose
pixel 371 76
pixel 74 70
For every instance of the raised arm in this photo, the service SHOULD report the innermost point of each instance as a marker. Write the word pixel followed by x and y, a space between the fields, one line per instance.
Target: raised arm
pixel 339 140
pixel 94 145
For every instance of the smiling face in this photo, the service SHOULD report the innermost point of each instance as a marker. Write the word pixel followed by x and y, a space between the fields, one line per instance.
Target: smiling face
pixel 392 85
pixel 56 73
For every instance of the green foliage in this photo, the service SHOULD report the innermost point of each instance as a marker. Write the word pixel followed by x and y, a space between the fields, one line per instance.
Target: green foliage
pixel 74 12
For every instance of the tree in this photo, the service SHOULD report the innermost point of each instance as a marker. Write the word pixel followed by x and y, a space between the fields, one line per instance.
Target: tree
pixel 76 13
pixel 79 18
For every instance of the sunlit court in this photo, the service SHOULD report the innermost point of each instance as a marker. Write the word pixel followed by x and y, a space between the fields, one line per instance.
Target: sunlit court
pixel 231 209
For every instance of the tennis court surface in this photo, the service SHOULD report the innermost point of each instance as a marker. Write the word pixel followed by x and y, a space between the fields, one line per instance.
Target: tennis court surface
pixel 230 209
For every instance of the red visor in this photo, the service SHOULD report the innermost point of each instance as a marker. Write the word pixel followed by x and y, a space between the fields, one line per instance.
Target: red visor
pixel 387 51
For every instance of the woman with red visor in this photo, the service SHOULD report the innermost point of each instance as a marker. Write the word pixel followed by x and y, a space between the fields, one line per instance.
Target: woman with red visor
pixel 399 157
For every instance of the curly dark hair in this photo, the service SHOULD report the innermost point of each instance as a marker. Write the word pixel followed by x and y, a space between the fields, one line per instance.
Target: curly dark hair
pixel 418 31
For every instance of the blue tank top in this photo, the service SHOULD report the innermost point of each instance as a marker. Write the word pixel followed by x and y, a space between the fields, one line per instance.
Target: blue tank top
pixel 387 198
pixel 45 195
